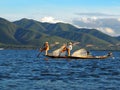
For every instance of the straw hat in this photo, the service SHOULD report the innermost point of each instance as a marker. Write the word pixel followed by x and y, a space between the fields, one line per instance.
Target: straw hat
pixel 70 43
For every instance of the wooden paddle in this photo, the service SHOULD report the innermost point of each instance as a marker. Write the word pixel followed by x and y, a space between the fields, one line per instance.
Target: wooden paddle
pixel 50 45
pixel 39 54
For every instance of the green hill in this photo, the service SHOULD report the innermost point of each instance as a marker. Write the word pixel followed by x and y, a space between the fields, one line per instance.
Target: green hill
pixel 101 35
pixel 7 31
pixel 14 35
pixel 28 32
pixel 118 38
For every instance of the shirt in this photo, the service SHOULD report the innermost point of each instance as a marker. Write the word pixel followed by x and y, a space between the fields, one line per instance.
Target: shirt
pixel 69 47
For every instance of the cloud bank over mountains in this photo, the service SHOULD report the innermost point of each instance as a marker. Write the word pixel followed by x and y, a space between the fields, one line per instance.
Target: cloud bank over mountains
pixel 107 23
pixel 110 26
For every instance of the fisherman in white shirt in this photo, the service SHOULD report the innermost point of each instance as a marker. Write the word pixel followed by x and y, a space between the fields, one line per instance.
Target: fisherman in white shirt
pixel 69 48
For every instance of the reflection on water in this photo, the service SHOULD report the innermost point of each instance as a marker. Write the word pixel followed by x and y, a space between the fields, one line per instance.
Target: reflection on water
pixel 21 70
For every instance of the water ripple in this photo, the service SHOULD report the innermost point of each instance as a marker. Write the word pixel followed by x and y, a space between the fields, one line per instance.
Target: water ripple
pixel 21 70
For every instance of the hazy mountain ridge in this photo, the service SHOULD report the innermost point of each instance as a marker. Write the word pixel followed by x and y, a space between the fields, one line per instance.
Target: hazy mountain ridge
pixel 31 32
pixel 118 38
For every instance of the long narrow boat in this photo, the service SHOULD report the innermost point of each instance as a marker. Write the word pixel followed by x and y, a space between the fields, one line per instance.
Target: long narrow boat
pixel 85 57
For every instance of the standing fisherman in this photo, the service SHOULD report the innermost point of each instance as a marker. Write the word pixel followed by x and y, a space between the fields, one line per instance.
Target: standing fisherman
pixel 45 48
pixel 69 48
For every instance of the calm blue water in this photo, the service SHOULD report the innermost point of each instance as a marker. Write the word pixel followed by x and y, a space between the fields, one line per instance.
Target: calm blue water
pixel 21 70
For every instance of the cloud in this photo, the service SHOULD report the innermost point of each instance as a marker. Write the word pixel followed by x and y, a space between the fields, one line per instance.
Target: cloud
pixel 50 20
pixel 109 26
pixel 87 20
pixel 107 30
pixel 119 19
pixel 96 14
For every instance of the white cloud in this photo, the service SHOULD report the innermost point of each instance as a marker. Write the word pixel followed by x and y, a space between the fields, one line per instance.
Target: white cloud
pixel 50 20
pixel 119 19
pixel 107 30
pixel 94 18
pixel 109 26
pixel 87 20
pixel 84 19
pixel 97 14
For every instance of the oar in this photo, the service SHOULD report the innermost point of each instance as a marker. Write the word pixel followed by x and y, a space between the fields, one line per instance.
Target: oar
pixel 50 45
pixel 39 54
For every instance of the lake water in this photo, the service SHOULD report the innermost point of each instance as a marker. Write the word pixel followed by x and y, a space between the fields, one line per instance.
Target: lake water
pixel 22 70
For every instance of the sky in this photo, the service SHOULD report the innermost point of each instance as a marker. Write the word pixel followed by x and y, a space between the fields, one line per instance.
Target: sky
pixel 59 10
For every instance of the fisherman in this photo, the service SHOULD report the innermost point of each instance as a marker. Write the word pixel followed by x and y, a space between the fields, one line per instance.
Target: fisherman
pixel 63 49
pixel 69 48
pixel 89 54
pixel 45 48
pixel 110 54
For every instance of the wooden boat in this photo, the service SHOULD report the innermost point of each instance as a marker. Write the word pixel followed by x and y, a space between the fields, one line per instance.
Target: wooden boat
pixel 85 57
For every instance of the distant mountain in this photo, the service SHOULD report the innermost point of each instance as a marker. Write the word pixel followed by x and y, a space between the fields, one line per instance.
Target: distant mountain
pixel 101 35
pixel 30 24
pixel 34 33
pixel 12 34
pixel 67 31
pixel 118 38
pixel 7 31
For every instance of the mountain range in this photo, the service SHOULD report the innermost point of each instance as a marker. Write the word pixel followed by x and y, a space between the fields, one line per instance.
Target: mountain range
pixel 32 33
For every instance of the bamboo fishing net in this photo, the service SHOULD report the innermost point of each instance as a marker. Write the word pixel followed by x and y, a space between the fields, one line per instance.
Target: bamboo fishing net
pixel 80 53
